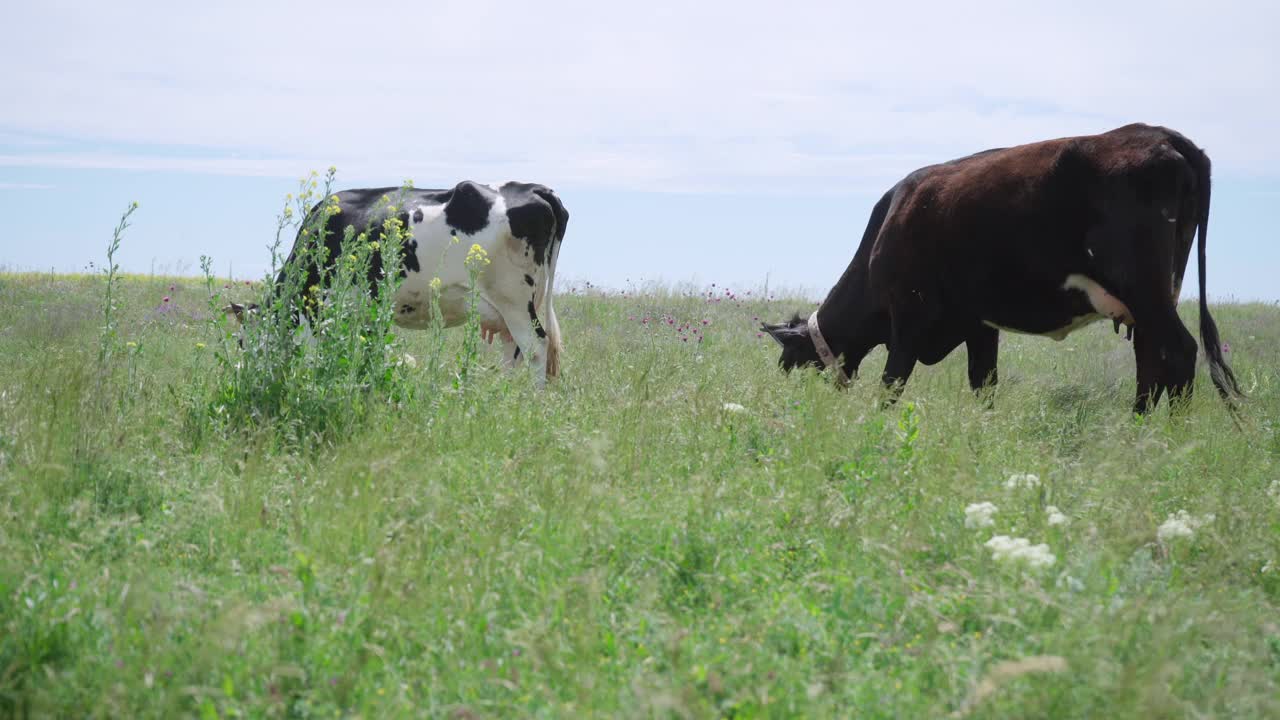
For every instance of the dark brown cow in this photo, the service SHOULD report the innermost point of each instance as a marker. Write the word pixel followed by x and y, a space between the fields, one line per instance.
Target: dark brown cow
pixel 1042 239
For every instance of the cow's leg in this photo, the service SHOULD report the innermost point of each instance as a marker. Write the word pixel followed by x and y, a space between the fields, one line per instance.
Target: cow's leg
pixel 530 338
pixel 983 346
pixel 1165 353
pixel 510 352
pixel 908 319
pixel 1146 355
pixel 897 369
pixel 1180 362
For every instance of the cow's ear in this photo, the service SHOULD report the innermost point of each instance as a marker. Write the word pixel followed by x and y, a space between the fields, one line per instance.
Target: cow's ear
pixel 783 333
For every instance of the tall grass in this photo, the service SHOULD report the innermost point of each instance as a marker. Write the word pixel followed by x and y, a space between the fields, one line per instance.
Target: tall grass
pixel 672 529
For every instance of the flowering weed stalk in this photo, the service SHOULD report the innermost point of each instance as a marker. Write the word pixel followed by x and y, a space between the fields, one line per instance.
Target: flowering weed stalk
pixel 476 261
pixel 109 335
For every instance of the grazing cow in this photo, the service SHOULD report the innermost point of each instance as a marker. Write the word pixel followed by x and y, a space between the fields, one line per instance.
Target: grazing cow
pixel 1042 239
pixel 520 226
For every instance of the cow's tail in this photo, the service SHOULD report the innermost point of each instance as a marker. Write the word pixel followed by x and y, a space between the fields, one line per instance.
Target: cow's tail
pixel 1219 371
pixel 553 255
pixel 553 325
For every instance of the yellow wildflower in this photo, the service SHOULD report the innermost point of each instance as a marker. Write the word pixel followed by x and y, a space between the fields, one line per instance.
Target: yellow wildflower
pixel 435 284
pixel 199 346
pixel 477 257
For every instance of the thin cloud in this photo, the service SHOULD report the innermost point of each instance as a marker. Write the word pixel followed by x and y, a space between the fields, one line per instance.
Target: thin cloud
pixel 117 161
pixel 25 186
pixel 705 97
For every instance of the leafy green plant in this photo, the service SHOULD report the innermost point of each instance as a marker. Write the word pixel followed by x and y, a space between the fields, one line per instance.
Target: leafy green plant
pixel 315 350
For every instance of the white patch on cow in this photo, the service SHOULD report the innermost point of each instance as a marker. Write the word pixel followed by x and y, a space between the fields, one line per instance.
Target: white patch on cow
pixel 504 294
pixel 1104 303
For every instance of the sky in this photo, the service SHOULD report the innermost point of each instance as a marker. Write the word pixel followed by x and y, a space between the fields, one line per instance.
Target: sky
pixel 693 142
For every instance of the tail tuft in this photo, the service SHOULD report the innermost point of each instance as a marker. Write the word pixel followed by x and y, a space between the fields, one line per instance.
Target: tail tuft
pixel 553 343
pixel 1223 379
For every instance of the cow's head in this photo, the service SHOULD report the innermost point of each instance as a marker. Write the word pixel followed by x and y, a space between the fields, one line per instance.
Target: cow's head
pixel 797 346
pixel 241 312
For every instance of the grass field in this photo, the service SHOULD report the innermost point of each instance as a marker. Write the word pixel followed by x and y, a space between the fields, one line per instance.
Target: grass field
pixel 672 529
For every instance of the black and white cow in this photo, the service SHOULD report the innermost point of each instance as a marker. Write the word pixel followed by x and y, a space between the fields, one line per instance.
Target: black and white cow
pixel 1042 239
pixel 520 226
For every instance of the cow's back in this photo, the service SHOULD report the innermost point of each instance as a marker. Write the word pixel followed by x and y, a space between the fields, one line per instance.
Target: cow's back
pixel 971 234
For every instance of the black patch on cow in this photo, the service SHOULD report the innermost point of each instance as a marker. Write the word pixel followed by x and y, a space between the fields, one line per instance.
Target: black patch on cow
pixel 364 211
pixel 410 261
pixel 533 223
pixel 468 209
pixel 417 216
pixel 533 317
pixel 536 216
pixel 408 249
pixel 529 280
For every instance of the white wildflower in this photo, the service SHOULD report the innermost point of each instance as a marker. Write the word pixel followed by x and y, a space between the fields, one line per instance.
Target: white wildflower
pixel 1175 526
pixel 410 360
pixel 1020 550
pixel 1055 516
pixel 733 408
pixel 1021 480
pixel 978 515
pixel 1181 524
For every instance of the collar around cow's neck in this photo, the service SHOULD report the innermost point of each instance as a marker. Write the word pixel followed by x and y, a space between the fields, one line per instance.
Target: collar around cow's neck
pixel 824 350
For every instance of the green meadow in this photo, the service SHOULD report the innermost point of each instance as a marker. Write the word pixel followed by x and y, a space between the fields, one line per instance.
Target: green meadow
pixel 673 528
